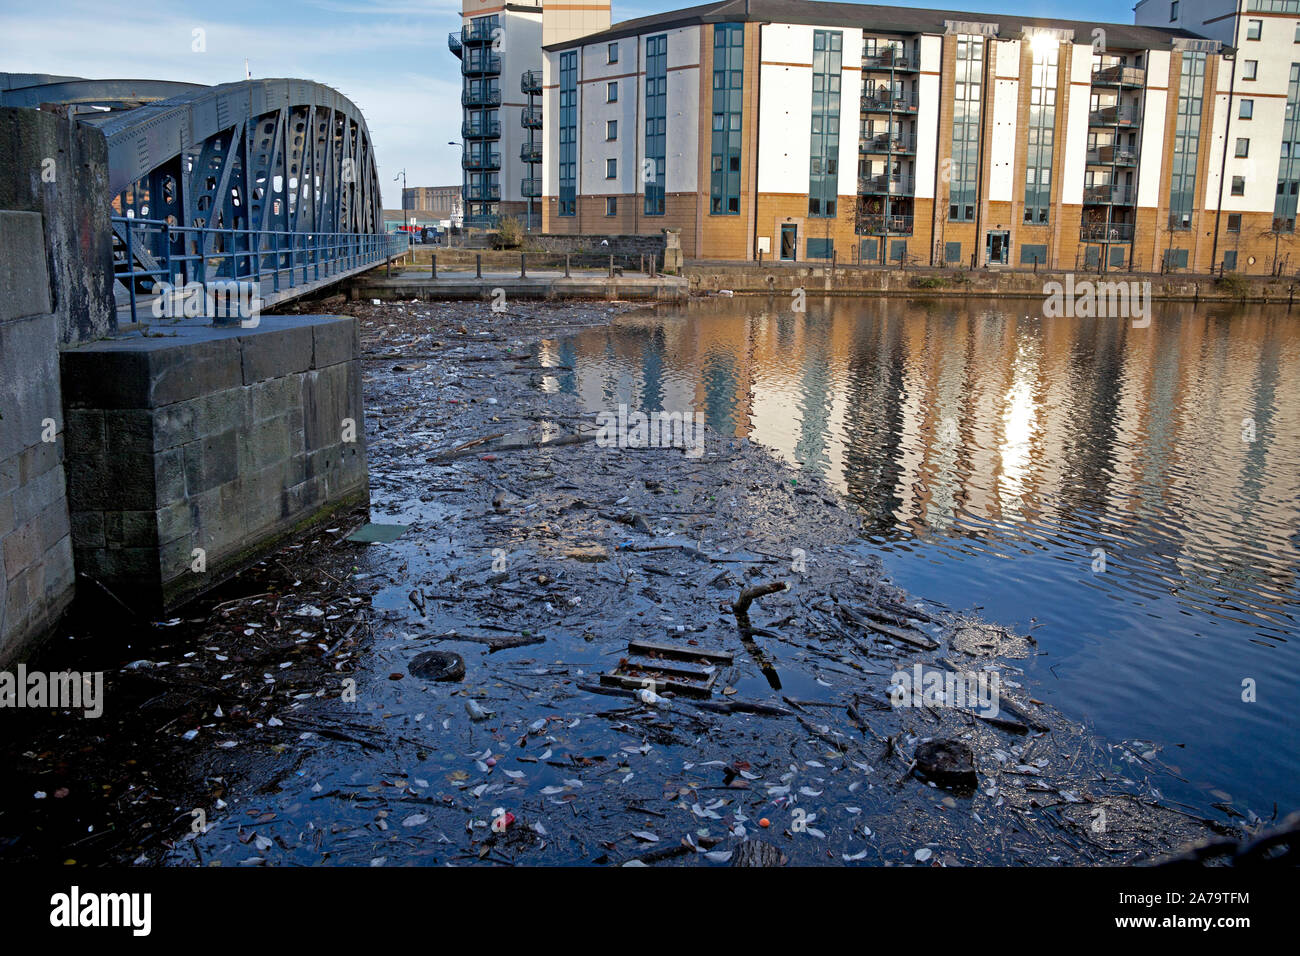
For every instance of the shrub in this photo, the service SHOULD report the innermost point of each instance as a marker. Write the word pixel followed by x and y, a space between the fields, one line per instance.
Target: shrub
pixel 1233 283
pixel 510 233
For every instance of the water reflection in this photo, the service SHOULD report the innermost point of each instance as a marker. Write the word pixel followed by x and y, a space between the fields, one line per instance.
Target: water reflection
pixel 997 455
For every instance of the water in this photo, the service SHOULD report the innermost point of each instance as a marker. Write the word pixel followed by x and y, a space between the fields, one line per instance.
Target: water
pixel 1131 495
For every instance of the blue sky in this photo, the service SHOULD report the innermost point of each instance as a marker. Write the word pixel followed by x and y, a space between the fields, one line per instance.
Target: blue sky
pixel 390 57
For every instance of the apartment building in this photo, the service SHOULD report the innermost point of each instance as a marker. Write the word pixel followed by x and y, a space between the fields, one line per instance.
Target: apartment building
pixel 500 51
pixel 808 130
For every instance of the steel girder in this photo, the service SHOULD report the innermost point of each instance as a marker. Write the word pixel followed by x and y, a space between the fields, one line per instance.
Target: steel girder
pixel 259 156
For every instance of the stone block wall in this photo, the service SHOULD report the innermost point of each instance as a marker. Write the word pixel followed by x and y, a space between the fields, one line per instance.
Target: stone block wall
pixel 190 455
pixel 36 569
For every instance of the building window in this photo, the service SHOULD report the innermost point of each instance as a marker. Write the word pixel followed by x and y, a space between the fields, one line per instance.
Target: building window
pixel 611 129
pixel 1041 135
pixel 1234 222
pixel 611 206
pixel 1297 33
pixel 568 132
pixel 969 74
pixel 654 167
pixel 1239 185
pixel 1187 138
pixel 612 55
pixel 611 169
pixel 1173 11
pixel 823 171
pixel 821 248
pixel 1243 147
pixel 728 88
pixel 611 92
pixel 1247 110
pixel 1253 29
pixel 1250 69
pixel 1288 171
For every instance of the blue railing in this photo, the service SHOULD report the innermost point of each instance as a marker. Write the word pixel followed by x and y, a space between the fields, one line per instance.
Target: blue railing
pixel 204 255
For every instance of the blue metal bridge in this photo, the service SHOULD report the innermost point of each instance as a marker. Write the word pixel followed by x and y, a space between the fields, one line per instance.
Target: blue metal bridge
pixel 271 184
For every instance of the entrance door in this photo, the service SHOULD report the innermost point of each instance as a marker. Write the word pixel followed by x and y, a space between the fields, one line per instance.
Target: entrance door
pixel 997 249
pixel 789 242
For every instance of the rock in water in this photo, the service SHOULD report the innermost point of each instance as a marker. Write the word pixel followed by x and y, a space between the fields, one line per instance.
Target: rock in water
pixel 949 763
pixel 438 665
pixel 757 853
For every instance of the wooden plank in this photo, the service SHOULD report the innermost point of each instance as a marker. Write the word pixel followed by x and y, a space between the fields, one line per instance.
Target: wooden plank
pixel 681 652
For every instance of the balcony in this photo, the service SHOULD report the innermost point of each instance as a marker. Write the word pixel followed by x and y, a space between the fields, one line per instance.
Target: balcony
pixel 480 34
pixel 531 117
pixel 886 186
pixel 480 97
pixel 878 100
pixel 482 192
pixel 1106 232
pixel 531 187
pixel 891 59
pixel 1120 76
pixel 531 152
pixel 888 143
pixel 878 225
pixel 1112 156
pixel 530 83
pixel 1114 116
pixel 486 130
pixel 453 42
pixel 481 161
pixel 1107 195
pixel 481 63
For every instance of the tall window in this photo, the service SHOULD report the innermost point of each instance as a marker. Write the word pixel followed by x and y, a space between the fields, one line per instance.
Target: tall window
pixel 1187 141
pixel 728 85
pixel 1288 171
pixel 656 122
pixel 823 172
pixel 569 133
pixel 1042 133
pixel 969 75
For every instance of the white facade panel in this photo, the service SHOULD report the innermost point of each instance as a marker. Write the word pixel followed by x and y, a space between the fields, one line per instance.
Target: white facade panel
pixel 1076 138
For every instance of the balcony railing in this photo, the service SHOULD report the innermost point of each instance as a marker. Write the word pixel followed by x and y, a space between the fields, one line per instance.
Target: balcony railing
pixel 891 59
pixel 1106 232
pixel 879 225
pixel 530 83
pixel 481 63
pixel 531 152
pixel 1114 116
pixel 1273 6
pixel 1112 156
pixel 482 192
pixel 489 129
pixel 531 117
pixel 531 187
pixel 1119 76
pixel 480 97
pixel 1108 195
pixel 888 143
pixel 885 185
pixel 876 100
pixel 453 42
pixel 489 161
pixel 478 34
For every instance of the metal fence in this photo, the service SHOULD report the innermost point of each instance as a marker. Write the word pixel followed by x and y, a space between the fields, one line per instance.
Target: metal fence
pixel 151 252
